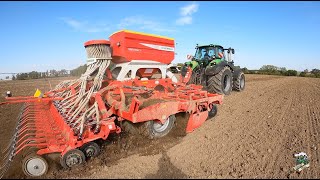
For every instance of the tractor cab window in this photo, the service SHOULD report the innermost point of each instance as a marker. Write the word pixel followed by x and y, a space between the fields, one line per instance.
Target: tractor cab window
pixel 221 54
pixel 203 52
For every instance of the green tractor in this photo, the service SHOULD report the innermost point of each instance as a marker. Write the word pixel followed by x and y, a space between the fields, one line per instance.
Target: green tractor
pixel 215 71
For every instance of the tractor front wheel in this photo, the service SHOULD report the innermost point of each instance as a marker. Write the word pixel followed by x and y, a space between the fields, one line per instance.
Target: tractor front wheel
pixel 221 83
pixel 239 82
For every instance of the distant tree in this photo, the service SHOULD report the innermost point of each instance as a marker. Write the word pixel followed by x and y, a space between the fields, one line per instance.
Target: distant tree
pixel 306 71
pixel 13 77
pixel 7 77
pixel 43 75
pixel 22 76
pixel 34 75
pixel 303 74
pixel 53 72
pixel 63 72
pixel 283 71
pixel 315 71
pixel 292 73
pixel 79 70
pixel 245 70
pixel 269 69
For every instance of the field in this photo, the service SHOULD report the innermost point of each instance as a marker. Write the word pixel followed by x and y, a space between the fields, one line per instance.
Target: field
pixel 255 135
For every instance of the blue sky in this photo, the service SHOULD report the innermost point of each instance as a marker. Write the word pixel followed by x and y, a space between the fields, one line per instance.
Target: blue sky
pixel 45 35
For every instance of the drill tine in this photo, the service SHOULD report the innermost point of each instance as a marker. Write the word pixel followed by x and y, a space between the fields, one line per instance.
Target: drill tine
pixel 5 161
pixel 5 156
pixel 6 149
pixel 4 169
pixel 10 144
pixel 15 134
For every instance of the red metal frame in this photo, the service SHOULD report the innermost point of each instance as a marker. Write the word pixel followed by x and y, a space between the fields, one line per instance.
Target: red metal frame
pixel 43 126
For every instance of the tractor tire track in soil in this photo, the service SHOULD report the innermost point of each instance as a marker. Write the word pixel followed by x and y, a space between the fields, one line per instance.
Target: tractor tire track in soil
pixel 254 135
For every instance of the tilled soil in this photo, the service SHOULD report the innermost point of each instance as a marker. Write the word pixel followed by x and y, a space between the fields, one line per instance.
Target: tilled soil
pixel 254 135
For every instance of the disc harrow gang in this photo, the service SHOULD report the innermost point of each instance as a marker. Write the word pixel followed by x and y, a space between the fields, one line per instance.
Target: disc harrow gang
pixel 70 118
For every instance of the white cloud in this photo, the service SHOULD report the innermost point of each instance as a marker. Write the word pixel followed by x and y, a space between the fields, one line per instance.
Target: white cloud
pixel 85 26
pixel 186 14
pixel 189 9
pixel 142 23
pixel 184 20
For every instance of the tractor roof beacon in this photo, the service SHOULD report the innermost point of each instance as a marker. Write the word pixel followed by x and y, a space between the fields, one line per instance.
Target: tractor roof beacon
pixel 213 68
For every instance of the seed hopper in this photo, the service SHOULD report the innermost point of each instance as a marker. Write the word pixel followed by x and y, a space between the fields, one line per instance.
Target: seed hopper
pixel 70 118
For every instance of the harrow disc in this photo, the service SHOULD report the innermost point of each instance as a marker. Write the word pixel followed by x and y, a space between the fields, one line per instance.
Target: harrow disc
pixel 34 165
pixel 72 158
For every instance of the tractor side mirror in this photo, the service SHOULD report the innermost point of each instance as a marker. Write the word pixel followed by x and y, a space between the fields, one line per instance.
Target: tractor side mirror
pixel 232 51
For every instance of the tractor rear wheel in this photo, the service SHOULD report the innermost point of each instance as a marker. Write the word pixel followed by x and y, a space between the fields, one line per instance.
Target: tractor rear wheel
pixel 221 83
pixel 239 82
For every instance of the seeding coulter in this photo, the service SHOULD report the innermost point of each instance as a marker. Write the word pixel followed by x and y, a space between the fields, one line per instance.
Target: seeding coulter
pixel 70 118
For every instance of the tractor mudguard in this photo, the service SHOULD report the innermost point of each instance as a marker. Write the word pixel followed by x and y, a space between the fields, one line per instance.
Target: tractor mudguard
pixel 213 70
pixel 192 64
pixel 236 71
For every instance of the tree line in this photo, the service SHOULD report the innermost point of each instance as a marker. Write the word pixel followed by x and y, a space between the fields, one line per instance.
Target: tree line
pixel 282 71
pixel 39 75
pixel 265 69
pixel 50 73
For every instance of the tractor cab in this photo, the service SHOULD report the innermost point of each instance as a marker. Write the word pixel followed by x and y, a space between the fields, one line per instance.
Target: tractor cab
pixel 209 51
pixel 208 54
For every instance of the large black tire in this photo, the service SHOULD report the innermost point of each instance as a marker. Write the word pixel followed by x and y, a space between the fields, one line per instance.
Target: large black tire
pixel 221 83
pixel 239 82
pixel 154 129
